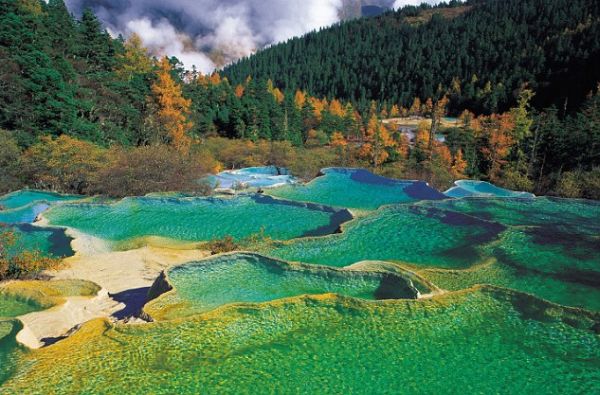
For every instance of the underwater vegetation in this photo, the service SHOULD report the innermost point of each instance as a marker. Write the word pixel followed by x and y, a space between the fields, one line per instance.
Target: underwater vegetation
pixel 21 208
pixel 410 233
pixel 242 277
pixel 417 293
pixel 475 340
pixel 197 219
pixel 356 188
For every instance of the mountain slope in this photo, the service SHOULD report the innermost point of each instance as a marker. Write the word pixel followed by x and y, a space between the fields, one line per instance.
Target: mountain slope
pixel 481 52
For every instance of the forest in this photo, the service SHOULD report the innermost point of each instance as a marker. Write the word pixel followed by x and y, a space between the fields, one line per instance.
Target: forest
pixel 479 52
pixel 85 112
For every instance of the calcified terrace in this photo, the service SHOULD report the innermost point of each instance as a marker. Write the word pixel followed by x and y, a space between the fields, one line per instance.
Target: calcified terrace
pixel 387 295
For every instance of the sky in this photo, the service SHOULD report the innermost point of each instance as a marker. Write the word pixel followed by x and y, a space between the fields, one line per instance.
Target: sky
pixel 209 34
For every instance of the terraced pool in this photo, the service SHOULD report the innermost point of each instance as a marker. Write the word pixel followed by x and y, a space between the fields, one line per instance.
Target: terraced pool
pixel 293 317
pixel 419 235
pixel 206 285
pixel 197 219
pixel 356 188
pixel 480 341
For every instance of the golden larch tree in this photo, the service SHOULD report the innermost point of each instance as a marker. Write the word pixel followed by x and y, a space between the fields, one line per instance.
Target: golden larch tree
pixel 172 109
pixel 299 99
pixel 134 60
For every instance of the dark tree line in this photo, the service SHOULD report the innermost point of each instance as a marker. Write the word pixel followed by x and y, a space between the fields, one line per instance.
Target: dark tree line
pixel 481 52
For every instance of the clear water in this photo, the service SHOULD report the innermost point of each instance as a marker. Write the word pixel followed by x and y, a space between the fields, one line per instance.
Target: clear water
pixel 551 248
pixel 51 242
pixel 24 214
pixel 419 235
pixel 194 219
pixel 26 197
pixel 222 280
pixel 579 215
pixel 356 188
pixel 474 342
pixel 472 188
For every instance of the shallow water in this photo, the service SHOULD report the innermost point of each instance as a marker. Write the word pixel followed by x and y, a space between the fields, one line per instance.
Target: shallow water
pixel 473 188
pixel 196 219
pixel 356 188
pixel 579 215
pixel 48 241
pixel 218 281
pixel 476 342
pixel 424 236
pixel 25 197
pixel 551 248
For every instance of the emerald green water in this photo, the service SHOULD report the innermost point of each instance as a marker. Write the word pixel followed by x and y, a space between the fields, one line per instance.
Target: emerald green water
pixel 355 188
pixel 551 249
pixel 218 281
pixel 48 241
pixel 487 341
pixel 414 234
pixel 236 323
pixel 194 219
pixel 579 215
pixel 25 197
pixel 24 214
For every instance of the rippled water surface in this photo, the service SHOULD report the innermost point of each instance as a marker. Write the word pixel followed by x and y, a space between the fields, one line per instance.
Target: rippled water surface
pixel 476 342
pixel 356 188
pixel 195 219
pixel 214 282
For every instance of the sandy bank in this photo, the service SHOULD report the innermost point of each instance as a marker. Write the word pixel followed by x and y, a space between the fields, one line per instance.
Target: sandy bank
pixel 121 275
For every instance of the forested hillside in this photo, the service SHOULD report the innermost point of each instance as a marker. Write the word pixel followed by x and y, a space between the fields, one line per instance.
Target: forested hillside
pixel 81 111
pixel 481 52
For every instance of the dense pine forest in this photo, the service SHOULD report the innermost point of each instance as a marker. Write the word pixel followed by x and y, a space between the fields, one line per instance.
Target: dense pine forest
pixel 81 111
pixel 481 52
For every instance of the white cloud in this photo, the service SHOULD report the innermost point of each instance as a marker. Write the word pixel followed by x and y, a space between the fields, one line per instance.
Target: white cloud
pixel 212 33
pixel 162 39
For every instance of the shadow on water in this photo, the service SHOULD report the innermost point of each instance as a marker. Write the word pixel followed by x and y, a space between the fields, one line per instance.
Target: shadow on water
pixel 133 299
pixel 60 243
pixel 395 287
pixel 338 217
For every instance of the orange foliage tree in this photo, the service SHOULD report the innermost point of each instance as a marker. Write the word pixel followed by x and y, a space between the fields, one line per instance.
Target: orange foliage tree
pixel 376 140
pixel 497 132
pixel 172 109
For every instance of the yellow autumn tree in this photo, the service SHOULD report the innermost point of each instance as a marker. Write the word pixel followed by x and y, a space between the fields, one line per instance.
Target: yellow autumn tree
pixel 415 109
pixel 239 91
pixel 339 144
pixel 319 105
pixel 134 60
pixel 459 165
pixel 172 109
pixel 336 108
pixel 377 139
pixel 215 79
pixel 299 99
